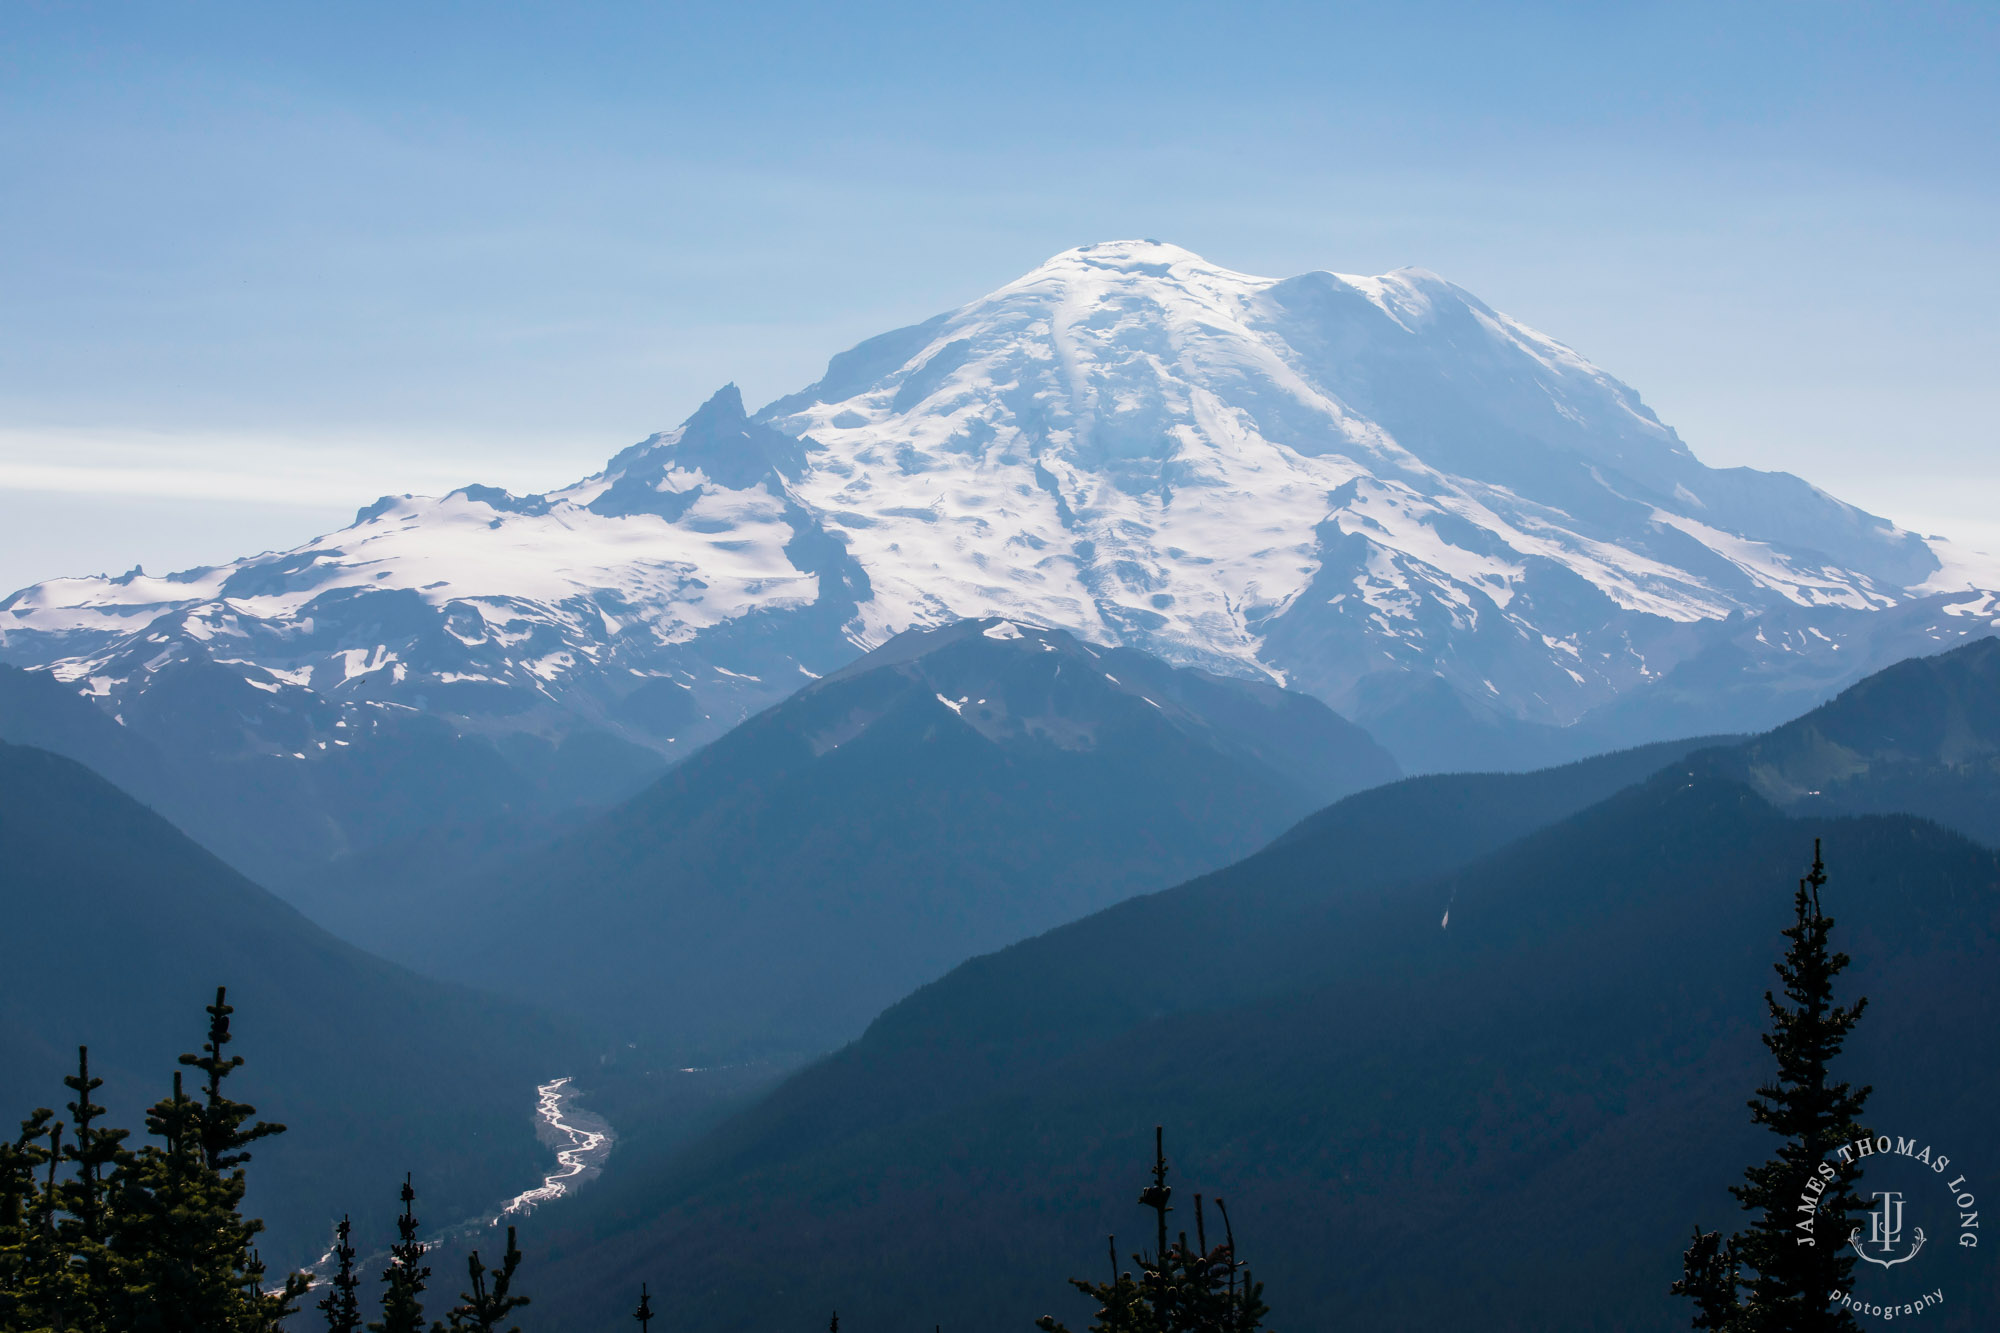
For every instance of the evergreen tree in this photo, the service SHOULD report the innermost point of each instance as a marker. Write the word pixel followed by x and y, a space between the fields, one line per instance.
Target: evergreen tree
pixel 187 1253
pixel 221 1122
pixel 98 1154
pixel 1182 1287
pixel 342 1304
pixel 403 1280
pixel 49 1290
pixel 176 1234
pixel 152 1241
pixel 1787 1266
pixel 1710 1277
pixel 19 1198
pixel 483 1310
pixel 267 1310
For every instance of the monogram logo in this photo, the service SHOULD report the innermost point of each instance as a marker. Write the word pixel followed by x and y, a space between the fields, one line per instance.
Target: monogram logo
pixel 1885 1232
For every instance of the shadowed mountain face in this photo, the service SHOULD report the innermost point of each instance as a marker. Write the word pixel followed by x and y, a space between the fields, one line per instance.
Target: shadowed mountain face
pixel 1923 736
pixel 119 931
pixel 954 791
pixel 387 779
pixel 36 710
pixel 1426 1014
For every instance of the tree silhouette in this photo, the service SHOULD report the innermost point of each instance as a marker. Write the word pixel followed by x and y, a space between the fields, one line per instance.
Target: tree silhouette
pixel 96 1154
pixel 483 1309
pixel 47 1288
pixel 342 1303
pixel 223 1135
pixel 403 1280
pixel 186 1254
pixel 155 1241
pixel 1181 1287
pixel 21 1258
pixel 1781 1271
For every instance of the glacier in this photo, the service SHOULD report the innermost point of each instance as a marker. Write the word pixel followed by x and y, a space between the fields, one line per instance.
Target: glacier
pixel 1376 490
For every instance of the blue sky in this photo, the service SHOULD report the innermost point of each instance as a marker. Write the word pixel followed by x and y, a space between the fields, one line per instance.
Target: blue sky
pixel 262 263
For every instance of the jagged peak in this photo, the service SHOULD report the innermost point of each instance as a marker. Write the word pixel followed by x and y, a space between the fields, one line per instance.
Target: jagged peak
pixel 720 423
pixel 723 408
pixel 719 441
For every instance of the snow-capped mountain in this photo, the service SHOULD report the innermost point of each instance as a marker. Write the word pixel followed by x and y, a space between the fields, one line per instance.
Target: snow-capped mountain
pixel 1357 486
pixel 482 602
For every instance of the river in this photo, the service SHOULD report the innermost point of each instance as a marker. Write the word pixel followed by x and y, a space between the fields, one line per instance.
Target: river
pixel 582 1141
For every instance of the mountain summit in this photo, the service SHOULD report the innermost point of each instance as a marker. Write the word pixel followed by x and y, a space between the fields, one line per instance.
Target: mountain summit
pixel 1328 477
pixel 1377 490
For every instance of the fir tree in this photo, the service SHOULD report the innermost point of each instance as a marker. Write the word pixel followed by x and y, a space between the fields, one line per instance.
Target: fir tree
pixel 342 1303
pixel 1182 1287
pixel 152 1241
pixel 175 1232
pixel 1787 1265
pixel 266 1311
pixel 483 1309
pixel 1710 1277
pixel 403 1280
pixel 51 1292
pixel 19 1197
pixel 187 1256
pixel 98 1154
pixel 223 1135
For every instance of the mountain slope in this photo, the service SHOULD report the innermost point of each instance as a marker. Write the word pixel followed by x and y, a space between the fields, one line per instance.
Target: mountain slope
pixel 1380 1097
pixel 1377 490
pixel 523 658
pixel 1328 476
pixel 1423 1012
pixel 119 930
pixel 405 777
pixel 36 710
pixel 952 792
pixel 1922 736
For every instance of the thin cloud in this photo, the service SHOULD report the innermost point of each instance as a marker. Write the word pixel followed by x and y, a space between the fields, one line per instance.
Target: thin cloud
pixel 256 468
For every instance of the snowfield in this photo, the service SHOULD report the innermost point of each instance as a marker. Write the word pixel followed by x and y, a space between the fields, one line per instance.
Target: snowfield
pixel 1342 483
